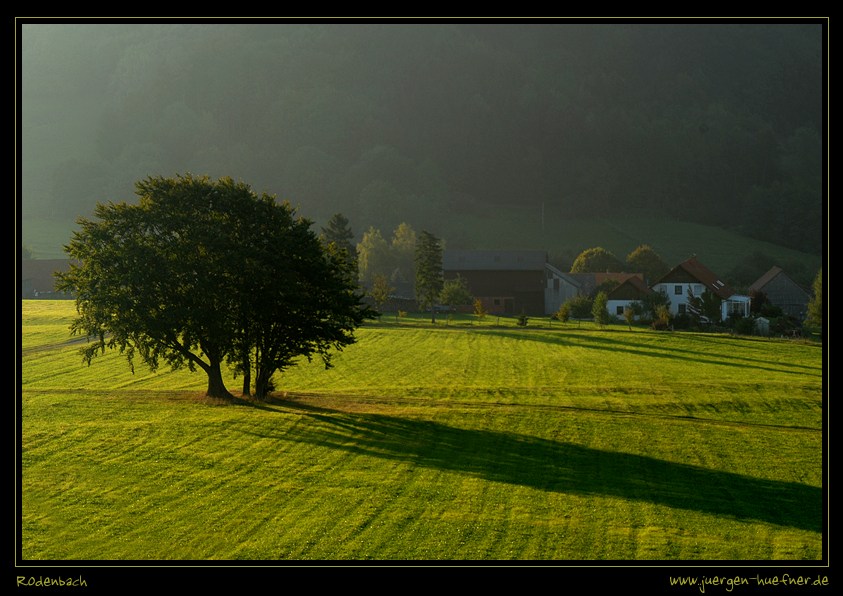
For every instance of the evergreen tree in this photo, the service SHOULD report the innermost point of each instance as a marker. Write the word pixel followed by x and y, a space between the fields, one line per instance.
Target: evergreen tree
pixel 338 235
pixel 429 274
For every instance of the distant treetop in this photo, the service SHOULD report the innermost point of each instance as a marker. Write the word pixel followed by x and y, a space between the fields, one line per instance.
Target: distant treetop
pixel 596 260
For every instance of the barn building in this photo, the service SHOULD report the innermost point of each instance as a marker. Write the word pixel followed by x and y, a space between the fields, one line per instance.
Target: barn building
pixel 511 282
pixel 783 292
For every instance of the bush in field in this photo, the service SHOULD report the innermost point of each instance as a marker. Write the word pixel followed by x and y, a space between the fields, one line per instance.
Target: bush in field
pixel 629 316
pixel 742 325
pixel 579 307
pixel 564 313
pixel 651 303
pixel 661 320
pixel 599 310
pixel 479 309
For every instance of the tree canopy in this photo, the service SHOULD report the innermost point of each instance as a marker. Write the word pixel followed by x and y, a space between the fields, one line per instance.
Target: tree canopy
pixel 202 272
pixel 647 261
pixel 455 292
pixel 596 260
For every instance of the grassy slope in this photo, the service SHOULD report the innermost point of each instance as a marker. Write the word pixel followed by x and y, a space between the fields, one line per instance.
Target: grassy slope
pixel 476 442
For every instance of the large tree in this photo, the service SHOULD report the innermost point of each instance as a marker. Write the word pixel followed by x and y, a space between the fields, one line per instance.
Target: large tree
pixel 201 272
pixel 373 256
pixel 429 274
pixel 647 261
pixel 596 260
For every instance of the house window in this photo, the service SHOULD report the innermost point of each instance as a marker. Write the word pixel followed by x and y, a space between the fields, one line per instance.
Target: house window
pixel 681 309
pixel 677 290
pixel 619 310
pixel 736 308
pixel 497 301
pixel 556 284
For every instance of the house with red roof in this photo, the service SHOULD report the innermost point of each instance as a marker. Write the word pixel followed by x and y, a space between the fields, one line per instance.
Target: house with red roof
pixel 690 279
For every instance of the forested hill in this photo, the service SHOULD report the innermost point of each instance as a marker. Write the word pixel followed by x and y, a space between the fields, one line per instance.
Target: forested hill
pixel 720 124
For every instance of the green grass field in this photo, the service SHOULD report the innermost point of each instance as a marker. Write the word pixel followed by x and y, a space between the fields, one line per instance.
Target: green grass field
pixel 481 442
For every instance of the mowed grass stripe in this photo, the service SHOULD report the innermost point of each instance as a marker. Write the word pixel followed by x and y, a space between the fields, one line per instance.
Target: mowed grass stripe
pixel 312 531
pixel 435 443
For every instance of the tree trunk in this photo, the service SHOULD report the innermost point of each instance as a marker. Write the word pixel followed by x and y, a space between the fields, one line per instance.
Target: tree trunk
pixel 216 387
pixel 247 381
pixel 247 377
pixel 262 379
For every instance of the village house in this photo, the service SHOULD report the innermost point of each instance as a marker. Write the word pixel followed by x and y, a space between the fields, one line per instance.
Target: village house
pixel 630 290
pixel 780 290
pixel 691 278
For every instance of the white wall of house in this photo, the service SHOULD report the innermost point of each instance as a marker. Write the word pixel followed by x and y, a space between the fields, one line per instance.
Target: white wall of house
pixel 678 294
pixel 616 307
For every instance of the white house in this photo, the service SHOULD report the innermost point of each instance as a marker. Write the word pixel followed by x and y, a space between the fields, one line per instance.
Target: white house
pixel 691 279
pixel 632 289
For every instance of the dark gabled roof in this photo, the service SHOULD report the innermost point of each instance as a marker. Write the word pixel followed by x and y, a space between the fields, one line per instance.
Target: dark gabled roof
pixel 629 289
pixel 774 272
pixel 494 260
pixel 696 270
pixel 766 278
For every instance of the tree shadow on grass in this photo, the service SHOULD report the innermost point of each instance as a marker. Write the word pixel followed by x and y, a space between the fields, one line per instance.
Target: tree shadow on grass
pixel 649 350
pixel 560 467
